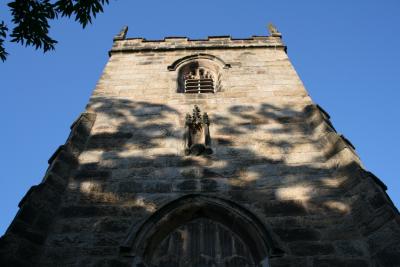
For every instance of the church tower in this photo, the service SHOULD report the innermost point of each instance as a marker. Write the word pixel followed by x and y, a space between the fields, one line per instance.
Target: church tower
pixel 203 153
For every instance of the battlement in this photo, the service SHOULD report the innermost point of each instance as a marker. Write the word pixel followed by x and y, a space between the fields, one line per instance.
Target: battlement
pixel 122 44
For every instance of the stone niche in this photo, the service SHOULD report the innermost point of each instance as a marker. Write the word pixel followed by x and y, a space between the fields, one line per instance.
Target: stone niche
pixel 197 133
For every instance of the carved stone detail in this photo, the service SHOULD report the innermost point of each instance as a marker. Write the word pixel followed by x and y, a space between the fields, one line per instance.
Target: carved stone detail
pixel 122 34
pixel 199 74
pixel 274 31
pixel 197 133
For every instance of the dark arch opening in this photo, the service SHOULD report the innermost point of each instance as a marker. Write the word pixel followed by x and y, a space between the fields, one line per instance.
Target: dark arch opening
pixel 143 240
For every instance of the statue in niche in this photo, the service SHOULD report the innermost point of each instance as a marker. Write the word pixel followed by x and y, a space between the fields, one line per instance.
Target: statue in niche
pixel 197 134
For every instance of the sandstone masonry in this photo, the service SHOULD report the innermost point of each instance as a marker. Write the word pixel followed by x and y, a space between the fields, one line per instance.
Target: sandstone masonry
pixel 135 185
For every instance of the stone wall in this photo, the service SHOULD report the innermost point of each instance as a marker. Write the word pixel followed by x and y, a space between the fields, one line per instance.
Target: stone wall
pixel 275 153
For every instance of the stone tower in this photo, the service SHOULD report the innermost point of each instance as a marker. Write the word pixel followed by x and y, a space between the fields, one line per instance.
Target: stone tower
pixel 203 153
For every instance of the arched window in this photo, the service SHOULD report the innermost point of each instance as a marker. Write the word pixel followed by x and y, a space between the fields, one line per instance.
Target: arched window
pixel 197 79
pixel 197 230
pixel 199 73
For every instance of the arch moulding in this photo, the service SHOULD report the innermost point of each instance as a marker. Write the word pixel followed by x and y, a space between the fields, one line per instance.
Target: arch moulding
pixel 186 59
pixel 144 238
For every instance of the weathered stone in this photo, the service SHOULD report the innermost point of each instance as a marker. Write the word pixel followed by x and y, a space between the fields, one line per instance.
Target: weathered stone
pixel 311 248
pixel 377 201
pixel 22 230
pixel 158 187
pixel 209 185
pixel 112 225
pixel 284 208
pixel 88 211
pixel 351 248
pixel 188 185
pixel 350 262
pixel 374 222
pixel 56 182
pixel 112 263
pixel 93 174
pixel 384 237
pixel 44 221
pixel 297 234
pixel 28 213
pixel 390 256
pixel 130 187
pixel 288 262
pixel 280 188
pixel 108 141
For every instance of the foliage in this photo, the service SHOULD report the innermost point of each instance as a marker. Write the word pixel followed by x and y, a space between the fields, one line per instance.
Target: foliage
pixel 3 34
pixel 31 20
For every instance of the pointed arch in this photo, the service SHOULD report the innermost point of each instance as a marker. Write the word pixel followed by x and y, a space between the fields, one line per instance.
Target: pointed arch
pixel 144 239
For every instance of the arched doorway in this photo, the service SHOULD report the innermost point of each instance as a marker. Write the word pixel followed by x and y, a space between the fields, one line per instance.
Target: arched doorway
pixel 202 242
pixel 197 230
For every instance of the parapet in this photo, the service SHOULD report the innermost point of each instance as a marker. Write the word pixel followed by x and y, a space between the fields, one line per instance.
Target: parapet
pixel 132 45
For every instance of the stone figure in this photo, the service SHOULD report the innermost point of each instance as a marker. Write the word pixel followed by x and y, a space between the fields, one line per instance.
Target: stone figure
pixel 197 134
pixel 273 30
pixel 122 34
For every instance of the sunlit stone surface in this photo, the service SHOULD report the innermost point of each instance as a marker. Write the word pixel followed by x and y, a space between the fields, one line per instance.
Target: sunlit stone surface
pixel 279 187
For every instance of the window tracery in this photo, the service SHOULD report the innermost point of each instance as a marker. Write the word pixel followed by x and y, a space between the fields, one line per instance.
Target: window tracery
pixel 198 80
pixel 199 75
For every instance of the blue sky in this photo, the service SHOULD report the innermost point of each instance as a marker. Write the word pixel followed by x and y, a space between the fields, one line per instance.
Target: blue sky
pixel 346 52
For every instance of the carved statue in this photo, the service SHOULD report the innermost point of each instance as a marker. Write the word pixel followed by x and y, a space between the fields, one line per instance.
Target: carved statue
pixel 273 30
pixel 197 134
pixel 122 34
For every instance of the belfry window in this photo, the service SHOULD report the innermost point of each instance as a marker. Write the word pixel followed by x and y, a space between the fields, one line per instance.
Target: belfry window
pixel 199 74
pixel 198 80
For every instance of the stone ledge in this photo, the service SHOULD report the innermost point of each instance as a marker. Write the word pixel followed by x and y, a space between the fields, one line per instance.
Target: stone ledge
pixel 184 43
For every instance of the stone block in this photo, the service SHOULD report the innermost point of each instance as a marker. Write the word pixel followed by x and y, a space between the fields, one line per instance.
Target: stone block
pixel 88 211
pixel 335 262
pixel 386 236
pixel 158 187
pixel 376 220
pixel 113 263
pixel 311 248
pixel 284 208
pixel 10 260
pixel 105 240
pixel 297 234
pixel 388 257
pixel 24 232
pixel 27 213
pixel 187 185
pixel 56 182
pixel 351 248
pixel 130 187
pixel 378 200
pixel 208 185
pixel 288 262
pixel 44 221
pixel 109 141
pixel 112 225
pixel 93 175
pixel 342 231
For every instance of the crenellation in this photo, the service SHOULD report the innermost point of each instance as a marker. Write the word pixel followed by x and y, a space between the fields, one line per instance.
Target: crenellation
pixel 214 42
